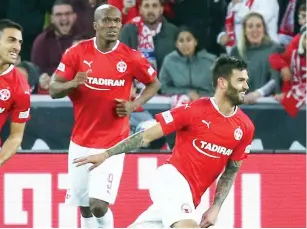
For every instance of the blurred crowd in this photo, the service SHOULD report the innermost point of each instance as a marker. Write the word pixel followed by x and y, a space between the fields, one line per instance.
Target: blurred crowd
pixel 181 38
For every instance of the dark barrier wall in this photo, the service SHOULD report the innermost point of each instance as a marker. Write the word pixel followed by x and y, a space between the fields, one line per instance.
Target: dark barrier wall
pixel 50 127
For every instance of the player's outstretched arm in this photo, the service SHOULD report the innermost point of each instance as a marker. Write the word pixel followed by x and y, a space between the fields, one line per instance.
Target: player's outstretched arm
pixel 140 139
pixel 13 142
pixel 226 181
pixel 223 187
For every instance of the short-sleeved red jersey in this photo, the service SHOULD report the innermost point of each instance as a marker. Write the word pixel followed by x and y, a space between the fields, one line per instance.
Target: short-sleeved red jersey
pixel 14 96
pixel 205 141
pixel 111 75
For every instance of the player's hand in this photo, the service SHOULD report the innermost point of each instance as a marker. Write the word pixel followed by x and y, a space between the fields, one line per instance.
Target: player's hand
pixel 209 217
pixel 80 78
pixel 124 107
pixel 96 160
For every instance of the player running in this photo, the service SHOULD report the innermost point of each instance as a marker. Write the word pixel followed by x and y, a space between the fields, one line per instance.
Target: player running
pixel 212 134
pixel 14 89
pixel 97 75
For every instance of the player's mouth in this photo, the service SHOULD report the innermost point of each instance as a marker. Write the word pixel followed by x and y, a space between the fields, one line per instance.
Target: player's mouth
pixel 13 55
pixel 242 93
pixel 112 33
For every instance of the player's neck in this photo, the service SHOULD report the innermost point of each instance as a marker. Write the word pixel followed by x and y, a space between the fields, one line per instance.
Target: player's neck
pixel 105 46
pixel 224 105
pixel 3 67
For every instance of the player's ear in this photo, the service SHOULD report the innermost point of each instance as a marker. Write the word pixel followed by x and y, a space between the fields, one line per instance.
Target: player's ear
pixel 222 82
pixel 95 25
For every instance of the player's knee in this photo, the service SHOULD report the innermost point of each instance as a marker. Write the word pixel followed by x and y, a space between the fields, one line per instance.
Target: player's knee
pixel 86 212
pixel 98 207
pixel 186 223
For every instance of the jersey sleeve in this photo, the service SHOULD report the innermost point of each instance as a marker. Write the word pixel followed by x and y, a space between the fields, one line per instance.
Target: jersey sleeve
pixel 174 119
pixel 68 65
pixel 143 71
pixel 243 149
pixel 21 107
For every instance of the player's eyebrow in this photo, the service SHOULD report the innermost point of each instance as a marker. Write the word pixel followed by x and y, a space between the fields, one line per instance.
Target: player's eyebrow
pixel 14 38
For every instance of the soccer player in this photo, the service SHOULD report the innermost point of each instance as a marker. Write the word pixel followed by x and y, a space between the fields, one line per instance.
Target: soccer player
pixel 97 75
pixel 212 134
pixel 14 89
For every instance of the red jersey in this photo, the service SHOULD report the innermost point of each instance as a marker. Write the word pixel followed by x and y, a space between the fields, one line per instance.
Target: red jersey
pixel 205 141
pixel 14 96
pixel 96 123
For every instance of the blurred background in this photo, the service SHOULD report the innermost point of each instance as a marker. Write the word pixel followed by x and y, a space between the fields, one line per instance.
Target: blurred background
pixel 181 38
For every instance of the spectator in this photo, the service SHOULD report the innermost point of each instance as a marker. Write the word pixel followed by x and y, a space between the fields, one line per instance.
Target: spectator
pixel 150 33
pixel 287 27
pixel 84 10
pixel 186 71
pixel 292 66
pixel 206 17
pixel 51 44
pixel 129 8
pixel 255 46
pixel 302 21
pixel 79 38
pixel 238 9
pixel 32 73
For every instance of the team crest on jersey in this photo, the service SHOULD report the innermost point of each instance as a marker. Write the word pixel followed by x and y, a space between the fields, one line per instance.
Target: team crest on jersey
pixel 121 66
pixel 5 94
pixel 238 134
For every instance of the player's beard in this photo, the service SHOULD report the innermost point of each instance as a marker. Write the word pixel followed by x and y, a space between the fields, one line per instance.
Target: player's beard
pixel 232 94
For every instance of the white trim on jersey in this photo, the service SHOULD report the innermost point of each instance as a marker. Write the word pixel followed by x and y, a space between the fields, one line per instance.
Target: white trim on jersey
pixel 113 49
pixel 7 70
pixel 217 108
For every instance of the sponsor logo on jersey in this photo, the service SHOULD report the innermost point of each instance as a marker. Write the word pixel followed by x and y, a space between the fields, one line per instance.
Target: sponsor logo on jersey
pixel 61 67
pixel 167 116
pixel 207 148
pixel 93 82
pixel 24 114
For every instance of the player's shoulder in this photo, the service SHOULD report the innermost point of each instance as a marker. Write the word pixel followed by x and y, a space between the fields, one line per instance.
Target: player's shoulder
pixel 20 80
pixel 125 49
pixel 81 47
pixel 198 106
pixel 202 103
pixel 246 121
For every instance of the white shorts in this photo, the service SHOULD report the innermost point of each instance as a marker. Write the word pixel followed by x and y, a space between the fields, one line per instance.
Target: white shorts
pixel 172 200
pixel 101 183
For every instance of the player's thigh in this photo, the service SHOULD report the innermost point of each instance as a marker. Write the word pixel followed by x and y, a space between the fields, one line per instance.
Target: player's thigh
pixel 104 180
pixel 78 177
pixel 172 195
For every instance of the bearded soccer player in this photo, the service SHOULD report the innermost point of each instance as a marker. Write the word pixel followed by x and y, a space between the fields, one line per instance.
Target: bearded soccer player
pixel 97 75
pixel 212 134
pixel 14 89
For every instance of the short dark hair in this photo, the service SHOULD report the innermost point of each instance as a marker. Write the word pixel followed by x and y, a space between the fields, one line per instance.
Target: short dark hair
pixel 7 23
pixel 224 66
pixel 62 2
pixel 302 7
pixel 160 1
